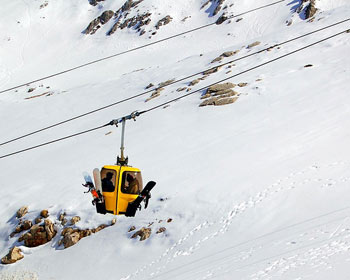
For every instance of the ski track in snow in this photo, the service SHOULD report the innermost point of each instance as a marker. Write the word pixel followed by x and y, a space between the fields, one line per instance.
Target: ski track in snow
pixel 324 251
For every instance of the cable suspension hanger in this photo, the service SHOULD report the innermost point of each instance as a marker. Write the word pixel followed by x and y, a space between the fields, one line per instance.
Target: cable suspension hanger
pixel 173 82
pixel 135 114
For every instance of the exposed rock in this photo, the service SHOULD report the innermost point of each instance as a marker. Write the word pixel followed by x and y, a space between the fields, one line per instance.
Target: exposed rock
pixel 132 228
pixel 44 5
pixel 181 89
pixel 225 93
pixel 160 230
pixel 39 235
pixel 242 84
pixel 13 256
pixel 26 225
pixel 94 2
pixel 70 239
pixel 61 217
pixel 106 16
pixel 144 233
pixel 229 53
pixel 164 21
pixel 221 19
pixel 149 86
pixel 22 211
pixel 218 59
pixel 31 90
pixel 194 82
pixel 64 222
pixel 310 9
pixel 169 220
pixel 166 83
pixel 253 44
pixel 220 87
pixel 225 101
pixel 74 220
pixel 38 220
pixel 155 94
pixel 308 65
pixel 113 222
pixel 101 227
pixel 44 213
pixel 95 24
pixel 212 70
pixel 50 230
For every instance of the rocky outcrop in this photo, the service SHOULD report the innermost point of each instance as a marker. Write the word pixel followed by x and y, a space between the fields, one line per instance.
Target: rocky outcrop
pixel 310 10
pixel 220 94
pixel 223 55
pixel 253 45
pixel 13 256
pixel 74 220
pixel 160 230
pixel 97 22
pixel 164 21
pixel 39 234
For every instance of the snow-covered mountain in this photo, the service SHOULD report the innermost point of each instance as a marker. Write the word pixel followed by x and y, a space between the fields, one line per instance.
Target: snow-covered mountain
pixel 254 185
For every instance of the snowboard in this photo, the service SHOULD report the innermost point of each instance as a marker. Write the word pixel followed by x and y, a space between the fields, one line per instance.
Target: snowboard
pixel 97 179
pixel 97 196
pixel 136 204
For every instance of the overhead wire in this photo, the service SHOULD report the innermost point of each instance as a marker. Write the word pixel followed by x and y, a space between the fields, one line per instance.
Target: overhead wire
pixel 183 96
pixel 138 48
pixel 171 83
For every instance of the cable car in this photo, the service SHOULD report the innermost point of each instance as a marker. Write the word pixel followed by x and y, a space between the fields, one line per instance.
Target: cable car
pixel 118 189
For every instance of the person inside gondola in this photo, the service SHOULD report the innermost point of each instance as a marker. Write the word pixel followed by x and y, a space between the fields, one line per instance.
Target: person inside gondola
pixel 133 185
pixel 107 185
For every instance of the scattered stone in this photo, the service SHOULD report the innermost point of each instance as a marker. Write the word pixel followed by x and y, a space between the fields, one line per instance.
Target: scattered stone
pixel 160 230
pixel 221 19
pixel 253 45
pixel 38 220
pixel 49 229
pixel 64 222
pixel 194 82
pixel 242 84
pixel 239 19
pixel 13 256
pixel 44 213
pixel 189 89
pixel 144 233
pixel 113 222
pixel 132 228
pixel 229 53
pixel 44 5
pixel 218 59
pixel 164 21
pixel 149 86
pixel 308 65
pixel 225 101
pixel 212 70
pixel 169 220
pixel 99 228
pixel 22 211
pixel 61 217
pixel 74 220
pixel 181 89
pixel 155 94
pixel 166 83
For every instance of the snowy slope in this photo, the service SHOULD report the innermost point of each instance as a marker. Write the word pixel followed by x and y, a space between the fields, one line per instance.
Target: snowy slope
pixel 257 189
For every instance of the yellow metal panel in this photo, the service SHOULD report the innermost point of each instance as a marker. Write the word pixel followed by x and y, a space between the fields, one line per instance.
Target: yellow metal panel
pixel 123 198
pixel 111 197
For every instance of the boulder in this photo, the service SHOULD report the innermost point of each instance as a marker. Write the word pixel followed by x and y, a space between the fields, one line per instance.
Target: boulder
pixel 253 44
pixel 13 256
pixel 74 220
pixel 194 82
pixel 160 230
pixel 144 233
pixel 132 228
pixel 225 101
pixel 38 234
pixel 38 220
pixel 44 213
pixel 71 239
pixel 220 87
pixel 50 230
pixel 22 211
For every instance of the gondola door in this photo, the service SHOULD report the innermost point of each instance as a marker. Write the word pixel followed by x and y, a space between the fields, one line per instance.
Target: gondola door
pixel 110 182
